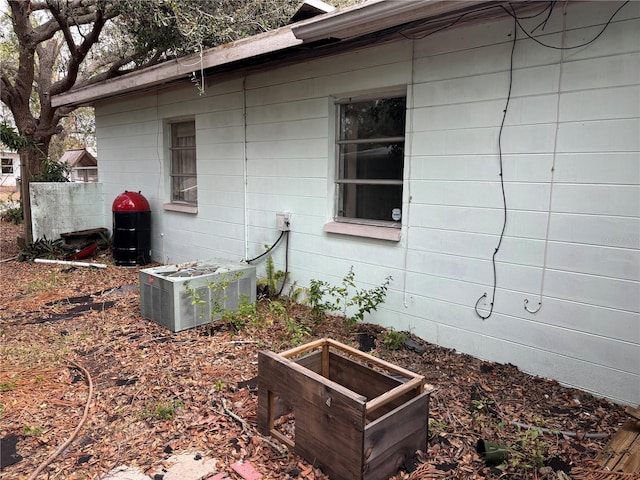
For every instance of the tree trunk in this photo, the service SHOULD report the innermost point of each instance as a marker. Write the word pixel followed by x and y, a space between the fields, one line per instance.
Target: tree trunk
pixel 30 164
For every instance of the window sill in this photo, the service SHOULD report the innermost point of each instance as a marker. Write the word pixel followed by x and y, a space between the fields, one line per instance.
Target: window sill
pixel 180 207
pixel 369 231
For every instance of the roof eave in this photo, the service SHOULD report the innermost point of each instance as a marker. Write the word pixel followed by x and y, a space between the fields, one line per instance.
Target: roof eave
pixel 377 15
pixel 181 68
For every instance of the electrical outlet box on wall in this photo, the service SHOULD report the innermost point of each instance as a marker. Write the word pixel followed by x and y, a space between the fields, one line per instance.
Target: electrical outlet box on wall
pixel 283 221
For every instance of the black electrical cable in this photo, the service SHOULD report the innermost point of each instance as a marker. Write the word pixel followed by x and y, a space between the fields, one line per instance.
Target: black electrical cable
pixel 517 20
pixel 504 196
pixel 268 250
pixel 286 262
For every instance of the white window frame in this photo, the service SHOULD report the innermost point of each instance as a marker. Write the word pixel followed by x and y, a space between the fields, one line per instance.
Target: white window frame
pixel 380 229
pixel 10 166
pixel 177 204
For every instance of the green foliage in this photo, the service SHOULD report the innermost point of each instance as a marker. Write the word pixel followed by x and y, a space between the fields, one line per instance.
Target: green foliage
pixel 10 385
pixel 11 138
pixel 269 287
pixel 528 451
pixel 43 248
pixel 52 171
pixel 32 431
pixel 219 385
pixel 215 299
pixel 393 339
pixel 325 298
pixel 13 215
pixel 162 410
pixel 482 405
pixel 246 313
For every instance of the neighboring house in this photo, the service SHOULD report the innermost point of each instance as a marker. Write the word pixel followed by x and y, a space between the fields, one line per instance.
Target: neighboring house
pixel 84 166
pixel 380 129
pixel 10 168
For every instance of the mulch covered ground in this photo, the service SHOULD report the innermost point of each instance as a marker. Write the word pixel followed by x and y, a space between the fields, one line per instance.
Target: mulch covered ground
pixel 154 393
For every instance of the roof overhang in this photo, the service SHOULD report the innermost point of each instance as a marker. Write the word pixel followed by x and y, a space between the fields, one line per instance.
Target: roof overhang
pixel 377 15
pixel 351 26
pixel 180 68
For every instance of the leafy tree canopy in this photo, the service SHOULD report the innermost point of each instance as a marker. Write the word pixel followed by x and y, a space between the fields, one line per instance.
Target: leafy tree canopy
pixel 48 47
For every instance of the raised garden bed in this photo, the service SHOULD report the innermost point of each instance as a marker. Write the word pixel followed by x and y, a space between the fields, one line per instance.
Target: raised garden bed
pixel 356 416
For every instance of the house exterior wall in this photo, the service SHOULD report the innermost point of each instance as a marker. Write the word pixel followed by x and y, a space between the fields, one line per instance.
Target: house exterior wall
pixel 10 179
pixel 572 235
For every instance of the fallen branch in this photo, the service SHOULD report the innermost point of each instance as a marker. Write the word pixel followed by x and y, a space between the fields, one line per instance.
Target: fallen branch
pixel 246 428
pixel 62 447
pixel 4 260
pixel 69 262
pixel 560 432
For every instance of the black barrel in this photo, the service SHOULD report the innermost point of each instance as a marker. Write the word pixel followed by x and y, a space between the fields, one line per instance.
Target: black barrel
pixel 131 229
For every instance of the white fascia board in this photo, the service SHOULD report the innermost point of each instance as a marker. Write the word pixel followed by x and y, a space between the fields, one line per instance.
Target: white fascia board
pixel 264 43
pixel 377 15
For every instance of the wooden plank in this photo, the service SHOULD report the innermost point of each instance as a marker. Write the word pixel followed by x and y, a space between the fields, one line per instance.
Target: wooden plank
pixel 303 348
pixel 325 362
pixel 416 384
pixel 329 419
pixel 313 362
pixel 368 358
pixel 298 386
pixel 331 442
pixel 404 426
pixel 633 412
pixel 623 449
pixel 360 378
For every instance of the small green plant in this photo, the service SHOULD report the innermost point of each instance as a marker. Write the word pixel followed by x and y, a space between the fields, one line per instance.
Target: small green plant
pixel 269 287
pixel 436 426
pixel 246 313
pixel 165 410
pixel 482 405
pixel 528 451
pixel 212 297
pixel 13 215
pixel 324 298
pixel 31 431
pixel 219 385
pixel 10 385
pixel 393 339
pixel 43 248
pixel 39 379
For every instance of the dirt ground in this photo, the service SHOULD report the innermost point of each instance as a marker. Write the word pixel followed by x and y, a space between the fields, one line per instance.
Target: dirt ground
pixel 153 393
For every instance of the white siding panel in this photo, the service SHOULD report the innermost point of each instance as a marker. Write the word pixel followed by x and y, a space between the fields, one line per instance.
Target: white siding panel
pixel 603 230
pixel 619 168
pixel 619 200
pixel 613 103
pixel 600 136
pixel 619 263
pixel 293 130
pixel 587 332
pixel 483 168
pixel 311 148
pixel 603 72
pixel 521 196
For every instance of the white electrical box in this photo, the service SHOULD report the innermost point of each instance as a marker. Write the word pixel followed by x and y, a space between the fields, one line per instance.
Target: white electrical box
pixel 283 221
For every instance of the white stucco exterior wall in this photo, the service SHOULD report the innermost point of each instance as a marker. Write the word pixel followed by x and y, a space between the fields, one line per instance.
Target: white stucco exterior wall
pixel 579 109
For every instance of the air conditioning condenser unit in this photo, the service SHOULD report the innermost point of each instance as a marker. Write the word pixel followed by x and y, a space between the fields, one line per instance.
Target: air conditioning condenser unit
pixel 184 296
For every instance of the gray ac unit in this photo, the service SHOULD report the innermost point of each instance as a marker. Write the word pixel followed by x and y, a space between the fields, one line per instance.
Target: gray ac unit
pixel 181 296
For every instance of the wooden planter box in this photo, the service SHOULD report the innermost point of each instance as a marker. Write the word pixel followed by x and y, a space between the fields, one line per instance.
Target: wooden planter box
pixel 356 416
